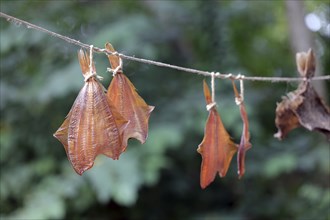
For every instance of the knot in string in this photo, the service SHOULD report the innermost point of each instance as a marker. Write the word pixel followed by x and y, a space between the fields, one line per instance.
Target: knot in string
pixel 210 106
pixel 238 100
pixel 118 68
pixel 228 76
pixel 240 77
pixel 90 75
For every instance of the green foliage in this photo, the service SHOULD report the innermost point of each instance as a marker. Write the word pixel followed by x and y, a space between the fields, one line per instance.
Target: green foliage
pixel 40 78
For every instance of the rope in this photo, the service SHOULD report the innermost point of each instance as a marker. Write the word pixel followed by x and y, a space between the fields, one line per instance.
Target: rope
pixel 231 76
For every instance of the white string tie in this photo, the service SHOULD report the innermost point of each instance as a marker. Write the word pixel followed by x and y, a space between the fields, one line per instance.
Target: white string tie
pixel 228 76
pixel 210 106
pixel 239 100
pixel 213 103
pixel 118 68
pixel 91 72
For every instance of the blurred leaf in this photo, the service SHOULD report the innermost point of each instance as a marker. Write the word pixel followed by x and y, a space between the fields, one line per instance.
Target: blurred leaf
pixel 119 179
pixel 50 206
pixel 152 158
pixel 279 164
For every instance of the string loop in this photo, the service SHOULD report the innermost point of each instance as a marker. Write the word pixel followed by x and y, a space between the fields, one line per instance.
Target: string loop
pixel 239 100
pixel 118 68
pixel 213 103
pixel 91 72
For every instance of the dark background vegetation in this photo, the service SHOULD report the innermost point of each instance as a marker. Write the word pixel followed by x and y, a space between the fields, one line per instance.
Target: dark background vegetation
pixel 40 78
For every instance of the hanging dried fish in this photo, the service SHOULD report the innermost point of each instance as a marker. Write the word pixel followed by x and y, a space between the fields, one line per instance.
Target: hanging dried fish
pixel 217 148
pixel 303 107
pixel 245 138
pixel 93 125
pixel 130 105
